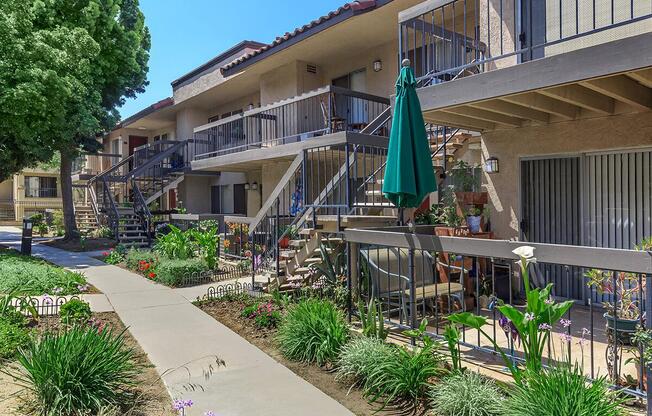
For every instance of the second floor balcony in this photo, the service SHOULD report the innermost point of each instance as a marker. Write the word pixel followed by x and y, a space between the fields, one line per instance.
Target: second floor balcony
pixel 487 64
pixel 310 116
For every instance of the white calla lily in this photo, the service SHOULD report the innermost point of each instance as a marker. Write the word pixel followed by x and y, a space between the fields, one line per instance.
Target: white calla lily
pixel 525 253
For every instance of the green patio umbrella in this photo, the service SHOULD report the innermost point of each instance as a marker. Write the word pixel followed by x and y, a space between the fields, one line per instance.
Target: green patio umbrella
pixel 409 175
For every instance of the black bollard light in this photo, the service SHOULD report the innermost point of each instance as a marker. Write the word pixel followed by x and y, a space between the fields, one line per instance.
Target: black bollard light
pixel 26 241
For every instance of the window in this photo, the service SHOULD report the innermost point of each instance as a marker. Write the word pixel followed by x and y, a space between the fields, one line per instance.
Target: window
pixel 115 147
pixel 162 137
pixel 40 187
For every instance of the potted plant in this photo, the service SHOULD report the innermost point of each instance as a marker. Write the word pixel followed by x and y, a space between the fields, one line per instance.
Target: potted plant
pixel 624 314
pixel 446 215
pixel 466 184
pixel 287 233
pixel 473 219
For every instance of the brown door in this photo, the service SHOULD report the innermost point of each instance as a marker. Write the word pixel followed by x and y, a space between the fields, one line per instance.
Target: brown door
pixel 172 198
pixel 136 141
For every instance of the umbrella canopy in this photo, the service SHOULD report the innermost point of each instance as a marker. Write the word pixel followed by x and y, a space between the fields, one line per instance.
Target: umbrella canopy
pixel 409 175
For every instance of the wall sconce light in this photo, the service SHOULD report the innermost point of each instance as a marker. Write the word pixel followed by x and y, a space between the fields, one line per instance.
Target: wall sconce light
pixel 491 165
pixel 378 65
pixel 254 186
pixel 247 186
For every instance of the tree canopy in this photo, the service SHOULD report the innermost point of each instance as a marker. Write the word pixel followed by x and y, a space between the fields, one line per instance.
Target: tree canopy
pixel 65 68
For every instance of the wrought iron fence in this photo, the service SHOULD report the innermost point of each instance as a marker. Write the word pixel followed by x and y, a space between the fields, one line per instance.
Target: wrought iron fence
pixel 423 275
pixel 327 110
pixel 222 274
pixel 233 289
pixel 465 37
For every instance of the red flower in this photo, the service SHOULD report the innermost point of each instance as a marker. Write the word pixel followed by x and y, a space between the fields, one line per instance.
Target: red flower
pixel 151 275
pixel 105 254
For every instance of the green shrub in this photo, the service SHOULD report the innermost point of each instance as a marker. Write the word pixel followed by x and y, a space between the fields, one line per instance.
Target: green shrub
pixel 404 379
pixel 134 257
pixel 171 272
pixel 176 244
pixel 313 331
pixel 249 311
pixel 465 394
pixel 75 312
pixel 36 277
pixel 113 257
pixel 360 356
pixel 37 219
pixel 207 242
pixel 562 391
pixel 13 335
pixel 78 372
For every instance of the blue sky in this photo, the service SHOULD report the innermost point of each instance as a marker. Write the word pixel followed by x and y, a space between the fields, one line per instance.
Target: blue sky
pixel 187 33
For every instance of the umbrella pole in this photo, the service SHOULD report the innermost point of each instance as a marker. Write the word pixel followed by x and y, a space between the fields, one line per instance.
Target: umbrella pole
pixel 400 217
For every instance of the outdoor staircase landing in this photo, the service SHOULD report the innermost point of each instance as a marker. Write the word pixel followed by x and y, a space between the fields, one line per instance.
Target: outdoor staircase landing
pixel 85 218
pixel 130 230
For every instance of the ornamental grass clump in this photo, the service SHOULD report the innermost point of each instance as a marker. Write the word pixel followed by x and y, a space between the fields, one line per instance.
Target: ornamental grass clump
pixel 465 394
pixel 562 391
pixel 78 372
pixel 359 357
pixel 313 331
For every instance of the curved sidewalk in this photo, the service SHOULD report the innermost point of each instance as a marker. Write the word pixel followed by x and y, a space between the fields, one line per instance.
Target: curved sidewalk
pixel 177 335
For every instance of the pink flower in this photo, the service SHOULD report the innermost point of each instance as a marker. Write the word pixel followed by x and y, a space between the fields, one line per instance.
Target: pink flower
pixel 565 323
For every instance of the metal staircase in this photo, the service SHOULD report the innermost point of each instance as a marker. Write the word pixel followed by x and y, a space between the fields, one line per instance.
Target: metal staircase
pixel 120 195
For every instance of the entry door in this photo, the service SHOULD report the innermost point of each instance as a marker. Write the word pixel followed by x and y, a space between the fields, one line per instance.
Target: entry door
pixel 239 199
pixel 551 212
pixel 216 200
pixel 533 29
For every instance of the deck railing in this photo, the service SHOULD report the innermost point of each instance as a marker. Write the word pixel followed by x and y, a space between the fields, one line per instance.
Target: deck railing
pixel 449 40
pixel 421 275
pixel 324 111
pixel 92 164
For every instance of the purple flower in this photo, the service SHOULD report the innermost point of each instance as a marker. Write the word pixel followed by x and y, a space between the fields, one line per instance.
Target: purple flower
pixel 178 405
pixel 549 301
pixel 188 403
pixel 565 322
pixel 582 342
pixel 545 327
pixel 209 413
pixel 82 288
pixel 57 290
pixel 508 326
pixel 565 337
pixel 585 331
pixel 528 317
pixel 47 300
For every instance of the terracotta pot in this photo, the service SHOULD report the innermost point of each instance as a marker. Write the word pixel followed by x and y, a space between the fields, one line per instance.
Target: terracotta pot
pixel 284 242
pixel 472 198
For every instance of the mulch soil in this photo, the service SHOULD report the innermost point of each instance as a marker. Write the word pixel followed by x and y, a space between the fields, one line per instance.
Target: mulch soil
pixel 91 244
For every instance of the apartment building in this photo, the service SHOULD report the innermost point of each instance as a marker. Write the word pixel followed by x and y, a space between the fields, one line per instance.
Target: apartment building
pixel 28 192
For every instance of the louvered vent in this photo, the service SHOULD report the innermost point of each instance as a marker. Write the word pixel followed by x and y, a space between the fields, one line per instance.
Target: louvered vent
pixel 311 69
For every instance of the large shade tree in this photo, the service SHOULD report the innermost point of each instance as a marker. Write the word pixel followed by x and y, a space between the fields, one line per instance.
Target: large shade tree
pixel 66 66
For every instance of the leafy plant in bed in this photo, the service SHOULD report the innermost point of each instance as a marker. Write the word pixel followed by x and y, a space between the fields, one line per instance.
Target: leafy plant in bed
pixel 36 277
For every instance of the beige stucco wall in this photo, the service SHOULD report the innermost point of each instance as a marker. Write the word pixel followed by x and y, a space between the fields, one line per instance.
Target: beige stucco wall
pixel 7 189
pixel 510 146
pixel 188 119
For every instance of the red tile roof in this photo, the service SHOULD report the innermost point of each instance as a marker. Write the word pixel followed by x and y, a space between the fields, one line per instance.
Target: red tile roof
pixel 353 8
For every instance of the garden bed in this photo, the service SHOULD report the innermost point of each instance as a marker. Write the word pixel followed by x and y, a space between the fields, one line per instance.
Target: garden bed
pixel 32 276
pixel 76 246
pixel 153 398
pixel 228 313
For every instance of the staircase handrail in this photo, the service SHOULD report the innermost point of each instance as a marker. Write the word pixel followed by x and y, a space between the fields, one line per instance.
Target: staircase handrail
pixel 158 157
pixel 111 169
pixel 271 199
pixel 140 207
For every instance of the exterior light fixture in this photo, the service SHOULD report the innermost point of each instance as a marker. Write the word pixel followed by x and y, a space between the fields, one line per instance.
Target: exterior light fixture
pixel 378 65
pixel 491 165
pixel 254 186
pixel 247 186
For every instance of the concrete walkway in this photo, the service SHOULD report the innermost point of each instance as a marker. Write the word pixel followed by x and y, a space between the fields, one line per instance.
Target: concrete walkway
pixel 182 341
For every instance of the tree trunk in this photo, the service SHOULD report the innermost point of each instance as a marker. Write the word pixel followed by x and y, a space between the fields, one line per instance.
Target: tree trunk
pixel 69 222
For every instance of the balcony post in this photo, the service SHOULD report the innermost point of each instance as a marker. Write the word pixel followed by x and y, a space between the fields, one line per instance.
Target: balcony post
pixel 413 294
pixel 648 326
pixel 276 243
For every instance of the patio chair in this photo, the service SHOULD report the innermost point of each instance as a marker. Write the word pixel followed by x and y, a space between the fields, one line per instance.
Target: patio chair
pixel 390 282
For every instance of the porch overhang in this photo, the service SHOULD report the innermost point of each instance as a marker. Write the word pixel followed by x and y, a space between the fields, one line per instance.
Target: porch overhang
pixel 254 159
pixel 606 79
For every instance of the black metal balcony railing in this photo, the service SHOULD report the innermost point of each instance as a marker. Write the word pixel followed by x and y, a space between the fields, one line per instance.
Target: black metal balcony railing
pixel 41 192
pixel 324 111
pixel 92 164
pixel 466 37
